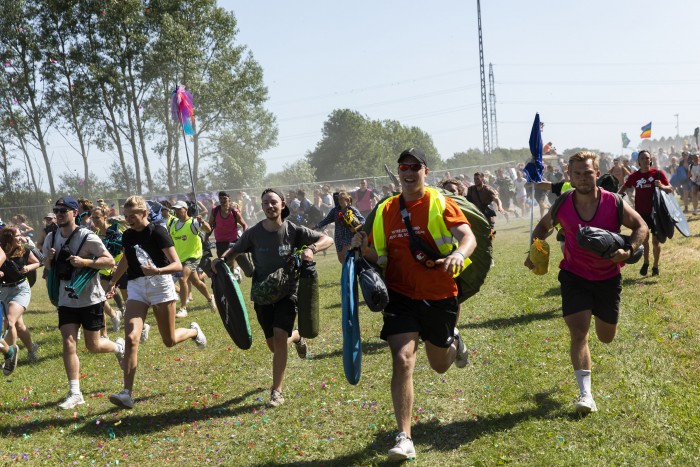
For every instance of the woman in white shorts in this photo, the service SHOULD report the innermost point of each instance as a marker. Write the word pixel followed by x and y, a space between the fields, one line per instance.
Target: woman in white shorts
pixel 15 295
pixel 149 284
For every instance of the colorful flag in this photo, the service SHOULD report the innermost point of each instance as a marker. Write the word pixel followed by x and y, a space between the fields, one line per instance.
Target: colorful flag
pixel 625 140
pixel 646 131
pixel 535 169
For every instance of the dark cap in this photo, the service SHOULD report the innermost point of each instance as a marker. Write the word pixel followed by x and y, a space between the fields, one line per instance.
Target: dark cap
pixel 67 201
pixel 285 210
pixel 417 153
pixel 223 193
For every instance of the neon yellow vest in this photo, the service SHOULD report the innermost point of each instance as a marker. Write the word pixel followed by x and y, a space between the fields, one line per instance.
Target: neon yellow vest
pixel 441 235
pixel 187 244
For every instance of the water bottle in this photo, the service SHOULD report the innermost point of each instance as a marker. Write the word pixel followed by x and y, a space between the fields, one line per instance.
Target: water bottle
pixel 143 257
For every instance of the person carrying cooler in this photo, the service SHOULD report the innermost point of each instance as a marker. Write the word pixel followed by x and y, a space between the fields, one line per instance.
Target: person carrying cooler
pixel 149 261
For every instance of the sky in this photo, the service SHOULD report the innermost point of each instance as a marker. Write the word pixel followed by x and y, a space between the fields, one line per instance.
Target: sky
pixel 591 69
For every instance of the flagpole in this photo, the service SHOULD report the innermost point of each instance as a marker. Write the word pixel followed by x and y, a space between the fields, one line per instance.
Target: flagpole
pixel 532 209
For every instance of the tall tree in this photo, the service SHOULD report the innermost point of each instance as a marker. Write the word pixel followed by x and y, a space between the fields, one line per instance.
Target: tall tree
pixel 23 60
pixel 196 46
pixel 352 145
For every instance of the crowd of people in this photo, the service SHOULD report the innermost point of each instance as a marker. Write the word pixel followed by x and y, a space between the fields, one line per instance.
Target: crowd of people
pixel 149 255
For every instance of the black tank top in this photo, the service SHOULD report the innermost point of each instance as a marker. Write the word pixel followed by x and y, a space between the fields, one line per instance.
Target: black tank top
pixel 11 269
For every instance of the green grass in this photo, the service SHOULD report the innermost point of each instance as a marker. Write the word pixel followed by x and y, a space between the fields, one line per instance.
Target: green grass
pixel 513 404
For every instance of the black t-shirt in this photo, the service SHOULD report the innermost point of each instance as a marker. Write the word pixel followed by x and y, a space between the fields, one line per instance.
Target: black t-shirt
pixel 11 268
pixel 153 239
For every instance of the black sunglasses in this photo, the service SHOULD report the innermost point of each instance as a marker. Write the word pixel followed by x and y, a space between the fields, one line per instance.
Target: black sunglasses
pixel 412 167
pixel 61 210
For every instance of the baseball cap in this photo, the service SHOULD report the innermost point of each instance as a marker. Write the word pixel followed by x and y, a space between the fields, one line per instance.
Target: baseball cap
pixel 50 216
pixel 285 210
pixel 417 153
pixel 180 204
pixel 67 201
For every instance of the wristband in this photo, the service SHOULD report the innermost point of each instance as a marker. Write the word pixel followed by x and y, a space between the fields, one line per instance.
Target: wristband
pixel 86 263
pixel 158 271
pixel 459 253
pixel 312 247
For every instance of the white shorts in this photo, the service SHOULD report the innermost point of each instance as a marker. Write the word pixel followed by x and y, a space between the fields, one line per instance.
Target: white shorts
pixel 152 290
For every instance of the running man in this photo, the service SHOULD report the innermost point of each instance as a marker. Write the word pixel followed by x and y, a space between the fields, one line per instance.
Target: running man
pixel 644 181
pixel 68 248
pixel 272 241
pixel 422 297
pixel 590 285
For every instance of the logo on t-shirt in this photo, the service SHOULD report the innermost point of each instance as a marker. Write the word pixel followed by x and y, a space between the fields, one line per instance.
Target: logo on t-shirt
pixel 284 250
pixel 642 182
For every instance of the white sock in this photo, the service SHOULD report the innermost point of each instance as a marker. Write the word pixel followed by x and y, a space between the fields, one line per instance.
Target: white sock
pixel 74 386
pixel 583 378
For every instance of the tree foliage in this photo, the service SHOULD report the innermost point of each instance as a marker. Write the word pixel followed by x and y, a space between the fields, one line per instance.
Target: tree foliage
pixel 103 73
pixel 350 140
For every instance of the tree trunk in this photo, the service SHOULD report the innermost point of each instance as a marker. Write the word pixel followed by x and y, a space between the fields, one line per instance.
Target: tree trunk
pixel 139 127
pixel 116 137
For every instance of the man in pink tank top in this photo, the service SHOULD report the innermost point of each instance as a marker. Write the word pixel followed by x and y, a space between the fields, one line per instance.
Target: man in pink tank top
pixel 590 285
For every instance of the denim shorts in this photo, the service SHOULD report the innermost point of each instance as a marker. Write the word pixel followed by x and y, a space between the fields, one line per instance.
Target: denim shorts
pixel 152 290
pixel 20 294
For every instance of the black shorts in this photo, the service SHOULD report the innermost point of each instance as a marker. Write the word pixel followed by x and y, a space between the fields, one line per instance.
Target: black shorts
pixel 278 315
pixel 90 317
pixel 601 297
pixel 650 222
pixel 221 247
pixel 433 320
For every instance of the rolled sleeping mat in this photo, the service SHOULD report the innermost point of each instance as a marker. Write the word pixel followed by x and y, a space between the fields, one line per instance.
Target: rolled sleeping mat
pixel 231 305
pixel 352 342
pixel 307 300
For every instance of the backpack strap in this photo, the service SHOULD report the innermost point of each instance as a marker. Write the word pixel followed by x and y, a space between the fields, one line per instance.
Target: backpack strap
pixel 619 204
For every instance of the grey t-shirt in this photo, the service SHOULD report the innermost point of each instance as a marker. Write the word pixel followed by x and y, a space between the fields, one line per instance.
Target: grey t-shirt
pixel 271 250
pixel 93 246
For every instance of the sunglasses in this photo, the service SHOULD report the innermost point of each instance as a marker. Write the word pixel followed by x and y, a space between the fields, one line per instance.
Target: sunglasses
pixel 61 210
pixel 412 167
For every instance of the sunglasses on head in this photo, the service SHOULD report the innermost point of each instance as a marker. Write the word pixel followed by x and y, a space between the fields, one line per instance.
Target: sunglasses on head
pixel 413 167
pixel 61 210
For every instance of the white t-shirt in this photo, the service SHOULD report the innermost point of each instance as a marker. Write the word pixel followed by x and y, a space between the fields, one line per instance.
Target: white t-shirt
pixel 695 174
pixel 93 246
pixel 520 191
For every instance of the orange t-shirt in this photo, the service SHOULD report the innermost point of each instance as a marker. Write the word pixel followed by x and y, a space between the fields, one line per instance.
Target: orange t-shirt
pixel 403 273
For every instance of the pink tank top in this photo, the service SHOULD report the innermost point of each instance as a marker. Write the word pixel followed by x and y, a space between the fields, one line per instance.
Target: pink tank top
pixel 582 262
pixel 226 229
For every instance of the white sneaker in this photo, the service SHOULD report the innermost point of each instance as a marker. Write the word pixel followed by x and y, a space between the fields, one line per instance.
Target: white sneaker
pixel 182 313
pixel 123 399
pixel 33 355
pixel 116 320
pixel 200 338
pixel 403 449
pixel 585 404
pixel 119 352
pixel 144 332
pixel 212 305
pixel 237 274
pixel 462 358
pixel 72 401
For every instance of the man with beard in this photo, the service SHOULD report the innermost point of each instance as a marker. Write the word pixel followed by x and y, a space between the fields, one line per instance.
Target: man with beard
pixel 590 284
pixel 68 248
pixel 272 243
pixel 644 181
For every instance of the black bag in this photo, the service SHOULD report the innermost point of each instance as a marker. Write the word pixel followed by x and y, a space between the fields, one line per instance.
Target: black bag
pixel 373 288
pixel 64 270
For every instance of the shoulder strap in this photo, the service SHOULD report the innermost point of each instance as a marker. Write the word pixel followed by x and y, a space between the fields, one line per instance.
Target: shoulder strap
pixel 557 204
pixel 81 243
pixel 620 204
pixel 214 212
pixel 416 244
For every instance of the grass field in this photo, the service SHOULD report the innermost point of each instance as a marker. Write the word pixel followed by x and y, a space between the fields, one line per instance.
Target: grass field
pixel 512 404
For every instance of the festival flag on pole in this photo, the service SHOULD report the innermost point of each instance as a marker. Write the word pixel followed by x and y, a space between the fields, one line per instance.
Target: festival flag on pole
pixel 535 168
pixel 183 109
pixel 625 140
pixel 646 131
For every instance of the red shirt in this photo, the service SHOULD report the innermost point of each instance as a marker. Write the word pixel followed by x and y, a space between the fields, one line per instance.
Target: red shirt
pixel 403 274
pixel 643 184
